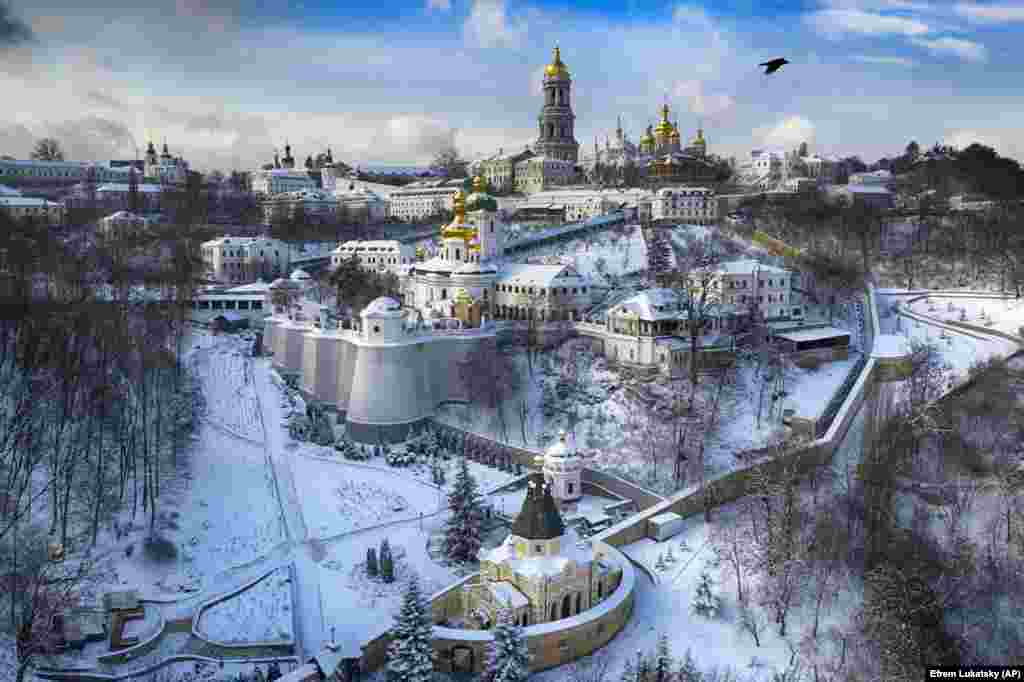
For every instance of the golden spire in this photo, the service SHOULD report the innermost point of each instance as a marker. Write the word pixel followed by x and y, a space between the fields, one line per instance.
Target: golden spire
pixel 457 228
pixel 556 69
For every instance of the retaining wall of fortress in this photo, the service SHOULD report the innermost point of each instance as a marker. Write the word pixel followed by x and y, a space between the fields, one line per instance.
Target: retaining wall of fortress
pixel 383 391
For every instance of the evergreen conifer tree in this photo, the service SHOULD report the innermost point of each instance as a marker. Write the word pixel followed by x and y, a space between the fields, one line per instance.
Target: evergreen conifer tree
pixel 705 602
pixel 628 671
pixel 387 566
pixel 429 444
pixel 411 653
pixel 463 531
pixel 371 562
pixel 508 659
pixel 659 565
pixel 670 557
pixel 688 671
pixel 662 660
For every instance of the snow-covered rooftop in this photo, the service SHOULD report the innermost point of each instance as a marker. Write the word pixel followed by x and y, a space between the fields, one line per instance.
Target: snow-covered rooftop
pixel 540 275
pixel 145 188
pixel 749 267
pixel 867 189
pixel 816 334
pixel 9 191
pixel 383 307
pixel 25 201
pixel 652 304
pixel 890 346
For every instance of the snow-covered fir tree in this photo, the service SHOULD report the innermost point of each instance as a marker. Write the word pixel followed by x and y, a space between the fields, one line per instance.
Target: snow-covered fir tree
pixel 670 557
pixel 705 602
pixel 399 457
pixel 437 472
pixel 371 562
pixel 688 671
pixel 411 653
pixel 628 671
pixel 387 562
pixel 508 659
pixel 463 531
pixel 662 660
pixel 429 444
pixel 348 449
pixel 659 565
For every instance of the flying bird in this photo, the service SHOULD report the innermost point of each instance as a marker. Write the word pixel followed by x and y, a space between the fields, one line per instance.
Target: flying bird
pixel 773 65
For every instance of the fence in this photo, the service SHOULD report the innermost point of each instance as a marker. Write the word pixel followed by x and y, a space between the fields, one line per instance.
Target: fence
pixel 822 424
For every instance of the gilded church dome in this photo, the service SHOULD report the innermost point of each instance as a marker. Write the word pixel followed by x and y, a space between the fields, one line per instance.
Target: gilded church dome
pixel 556 69
pixel 699 140
pixel 458 228
pixel 664 128
pixel 647 137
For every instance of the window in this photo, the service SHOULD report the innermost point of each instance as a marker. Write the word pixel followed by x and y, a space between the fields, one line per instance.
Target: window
pixel 538 548
pixel 570 488
pixel 376 329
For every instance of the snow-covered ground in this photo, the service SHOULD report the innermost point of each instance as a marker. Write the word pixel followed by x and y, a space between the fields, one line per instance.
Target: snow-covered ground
pixel 666 608
pixel 1005 316
pixel 616 252
pixel 262 613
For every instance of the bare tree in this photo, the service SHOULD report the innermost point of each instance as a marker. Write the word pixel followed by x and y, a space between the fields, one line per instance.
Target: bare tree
pixel 490 379
pixel 47 149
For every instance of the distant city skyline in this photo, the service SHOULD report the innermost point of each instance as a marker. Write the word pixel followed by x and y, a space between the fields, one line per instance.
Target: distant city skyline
pixel 226 82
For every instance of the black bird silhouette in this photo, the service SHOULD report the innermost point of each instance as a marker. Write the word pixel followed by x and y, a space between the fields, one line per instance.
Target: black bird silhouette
pixel 773 65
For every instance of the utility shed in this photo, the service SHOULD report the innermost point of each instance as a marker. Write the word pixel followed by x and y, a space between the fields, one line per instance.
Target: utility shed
pixel 664 526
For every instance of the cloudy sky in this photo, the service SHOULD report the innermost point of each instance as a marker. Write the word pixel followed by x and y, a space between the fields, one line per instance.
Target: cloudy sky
pixel 391 81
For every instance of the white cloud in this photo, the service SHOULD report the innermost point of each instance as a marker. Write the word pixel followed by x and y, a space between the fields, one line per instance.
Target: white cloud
pixel 787 133
pixel 990 14
pixel 715 106
pixel 880 5
pixel 691 15
pixel 443 5
pixel 835 23
pixel 884 60
pixel 488 25
pixel 964 49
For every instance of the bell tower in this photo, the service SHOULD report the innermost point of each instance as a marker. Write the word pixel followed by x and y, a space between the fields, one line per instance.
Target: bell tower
pixel 557 122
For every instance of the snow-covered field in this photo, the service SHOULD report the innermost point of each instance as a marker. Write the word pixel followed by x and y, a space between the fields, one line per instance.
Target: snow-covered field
pixel 1005 316
pixel 227 385
pixel 262 613
pixel 666 608
pixel 360 608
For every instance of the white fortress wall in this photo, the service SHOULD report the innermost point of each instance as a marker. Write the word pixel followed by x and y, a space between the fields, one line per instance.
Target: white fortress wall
pixel 344 367
pixel 293 333
pixel 320 377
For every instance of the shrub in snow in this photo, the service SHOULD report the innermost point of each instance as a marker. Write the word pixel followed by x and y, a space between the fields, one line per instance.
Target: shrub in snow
pixel 322 432
pixel 299 428
pixel 349 450
pixel 662 660
pixel 437 472
pixel 399 457
pixel 159 548
pixel 371 563
pixel 705 602
pixel 463 531
pixel 508 659
pixel 411 653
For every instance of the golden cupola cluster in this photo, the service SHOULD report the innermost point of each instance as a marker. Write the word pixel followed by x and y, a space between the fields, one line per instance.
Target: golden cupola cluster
pixel 664 128
pixel 458 228
pixel 556 69
pixel 648 137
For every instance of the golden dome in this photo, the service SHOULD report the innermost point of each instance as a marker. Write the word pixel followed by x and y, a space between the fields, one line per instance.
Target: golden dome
pixel 664 128
pixel 462 296
pixel 647 137
pixel 457 228
pixel 699 140
pixel 479 184
pixel 556 69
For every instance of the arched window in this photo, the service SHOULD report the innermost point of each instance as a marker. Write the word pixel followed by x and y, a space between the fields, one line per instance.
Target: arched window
pixel 444 294
pixel 579 601
pixel 566 606
pixel 600 589
pixel 554 612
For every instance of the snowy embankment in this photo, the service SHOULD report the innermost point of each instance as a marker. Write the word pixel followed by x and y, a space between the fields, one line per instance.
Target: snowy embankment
pixel 221 512
pixel 261 613
pixel 616 252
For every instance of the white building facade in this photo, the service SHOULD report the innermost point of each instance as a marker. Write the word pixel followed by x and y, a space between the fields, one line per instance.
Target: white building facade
pixel 18 207
pixel 539 173
pixel 314 205
pixel 245 259
pixel 279 180
pixel 694 205
pixel 381 256
pixel 421 203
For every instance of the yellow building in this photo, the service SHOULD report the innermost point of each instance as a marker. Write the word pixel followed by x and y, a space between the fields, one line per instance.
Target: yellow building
pixel 543 571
